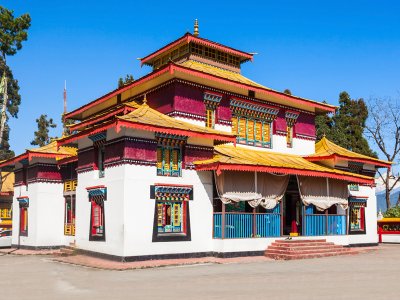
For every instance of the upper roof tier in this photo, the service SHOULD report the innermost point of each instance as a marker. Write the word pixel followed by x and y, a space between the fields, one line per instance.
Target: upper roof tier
pixel 190 45
pixel 325 149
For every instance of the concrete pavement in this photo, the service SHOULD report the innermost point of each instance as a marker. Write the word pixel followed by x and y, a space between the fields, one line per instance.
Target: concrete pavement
pixel 369 275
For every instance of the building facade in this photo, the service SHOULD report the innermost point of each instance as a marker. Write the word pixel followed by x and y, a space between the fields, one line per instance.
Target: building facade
pixel 192 159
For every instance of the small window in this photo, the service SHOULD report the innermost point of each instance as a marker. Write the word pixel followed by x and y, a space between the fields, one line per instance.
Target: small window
pixel 171 217
pixel 23 218
pixel 69 219
pixel 357 218
pixel 252 94
pixel 210 118
pixel 97 228
pixel 169 161
pixel 100 159
pixel 289 136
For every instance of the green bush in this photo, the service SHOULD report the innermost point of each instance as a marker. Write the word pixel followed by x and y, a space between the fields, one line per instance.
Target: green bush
pixel 393 212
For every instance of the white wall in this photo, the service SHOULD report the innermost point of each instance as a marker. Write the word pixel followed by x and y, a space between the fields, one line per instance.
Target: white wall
pixel 113 211
pixel 371 235
pixel 45 215
pixel 139 212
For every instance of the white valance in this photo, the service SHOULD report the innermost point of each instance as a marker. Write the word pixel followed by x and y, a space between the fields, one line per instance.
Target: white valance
pixel 323 192
pixel 256 188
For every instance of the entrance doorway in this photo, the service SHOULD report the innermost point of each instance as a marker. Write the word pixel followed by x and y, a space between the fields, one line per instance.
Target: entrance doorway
pixel 292 208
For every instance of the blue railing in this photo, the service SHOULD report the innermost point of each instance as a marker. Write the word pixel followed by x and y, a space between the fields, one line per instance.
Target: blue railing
pixel 247 225
pixel 324 225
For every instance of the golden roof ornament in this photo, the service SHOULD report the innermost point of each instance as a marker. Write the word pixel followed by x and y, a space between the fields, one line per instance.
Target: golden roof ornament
pixel 145 99
pixel 196 28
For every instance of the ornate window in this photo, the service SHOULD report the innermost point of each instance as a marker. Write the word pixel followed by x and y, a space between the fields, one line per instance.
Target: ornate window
pixel 171 219
pixel 357 215
pixel 23 215
pixel 99 140
pixel 291 118
pixel 211 102
pixel 252 123
pixel 97 196
pixel 169 154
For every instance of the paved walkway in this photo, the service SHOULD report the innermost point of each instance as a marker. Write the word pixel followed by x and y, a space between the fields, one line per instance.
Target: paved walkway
pixel 369 275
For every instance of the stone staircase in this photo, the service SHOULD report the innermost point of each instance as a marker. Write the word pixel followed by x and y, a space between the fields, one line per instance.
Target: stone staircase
pixel 302 249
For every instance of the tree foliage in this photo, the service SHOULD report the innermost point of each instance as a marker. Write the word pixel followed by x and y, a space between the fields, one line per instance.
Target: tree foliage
pixel 14 100
pixel 393 212
pixel 13 31
pixel 42 134
pixel 346 126
pixel 287 91
pixel 124 81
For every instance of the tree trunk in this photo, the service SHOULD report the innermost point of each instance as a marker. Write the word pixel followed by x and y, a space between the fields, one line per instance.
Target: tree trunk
pixel 387 184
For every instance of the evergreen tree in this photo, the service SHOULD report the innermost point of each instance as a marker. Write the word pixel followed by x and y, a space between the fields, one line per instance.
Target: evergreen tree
pixel 13 31
pixel 13 102
pixel 42 134
pixel 128 79
pixel 287 91
pixel 346 127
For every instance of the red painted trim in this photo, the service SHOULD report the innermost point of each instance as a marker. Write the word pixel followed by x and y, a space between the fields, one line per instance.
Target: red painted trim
pixel 14 160
pixel 23 197
pixel 218 137
pixel 82 134
pixel 284 96
pixel 220 167
pixel 187 38
pixel 124 109
pixel 170 184
pixel 143 79
pixel 171 67
pixel 359 197
pixel 95 187
pixel 67 160
pixel 337 156
pixel 6 193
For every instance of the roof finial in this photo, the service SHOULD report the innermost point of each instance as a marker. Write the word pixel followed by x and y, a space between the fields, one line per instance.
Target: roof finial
pixel 196 28
pixel 145 99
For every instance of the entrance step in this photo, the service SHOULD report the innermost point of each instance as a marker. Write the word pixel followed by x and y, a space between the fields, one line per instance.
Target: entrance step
pixel 302 249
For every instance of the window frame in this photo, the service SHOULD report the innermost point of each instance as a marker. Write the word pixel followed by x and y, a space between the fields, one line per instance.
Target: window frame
pixel 161 169
pixel 23 221
pixel 361 210
pixel 252 141
pixel 100 204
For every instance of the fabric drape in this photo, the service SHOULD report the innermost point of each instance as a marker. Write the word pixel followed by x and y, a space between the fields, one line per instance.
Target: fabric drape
pixel 256 188
pixel 323 192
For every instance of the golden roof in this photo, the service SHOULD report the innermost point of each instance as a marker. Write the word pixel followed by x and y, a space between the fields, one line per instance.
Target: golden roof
pixel 7 182
pixel 252 160
pixel 145 115
pixel 52 148
pixel 230 75
pixel 325 149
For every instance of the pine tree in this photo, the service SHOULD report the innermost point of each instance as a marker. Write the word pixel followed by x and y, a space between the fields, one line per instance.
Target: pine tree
pixel 42 134
pixel 128 79
pixel 346 127
pixel 13 102
pixel 13 31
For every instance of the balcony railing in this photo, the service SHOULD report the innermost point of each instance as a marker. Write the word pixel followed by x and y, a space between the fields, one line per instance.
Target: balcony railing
pixel 315 224
pixel 246 225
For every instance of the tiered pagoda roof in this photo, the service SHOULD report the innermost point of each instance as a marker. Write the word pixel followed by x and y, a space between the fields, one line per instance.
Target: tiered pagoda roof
pixel 325 149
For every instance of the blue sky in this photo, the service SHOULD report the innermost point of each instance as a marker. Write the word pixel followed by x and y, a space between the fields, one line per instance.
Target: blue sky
pixel 315 50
